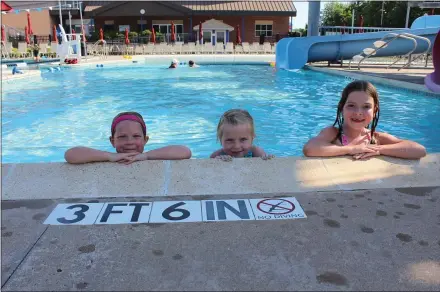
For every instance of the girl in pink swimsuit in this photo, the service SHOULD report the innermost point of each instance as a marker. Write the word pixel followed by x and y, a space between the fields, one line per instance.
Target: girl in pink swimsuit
pixel 354 130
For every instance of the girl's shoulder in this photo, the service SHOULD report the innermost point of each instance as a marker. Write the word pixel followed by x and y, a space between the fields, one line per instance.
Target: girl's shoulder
pixel 257 151
pixel 329 133
pixel 384 138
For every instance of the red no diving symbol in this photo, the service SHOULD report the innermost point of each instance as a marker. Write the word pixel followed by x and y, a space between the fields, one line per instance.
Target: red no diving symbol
pixel 275 206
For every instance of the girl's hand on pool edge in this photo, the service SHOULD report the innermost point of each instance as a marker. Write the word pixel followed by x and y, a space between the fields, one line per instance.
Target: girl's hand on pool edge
pixel 357 150
pixel 125 158
pixel 224 157
pixel 136 157
pixel 267 156
pixel 374 148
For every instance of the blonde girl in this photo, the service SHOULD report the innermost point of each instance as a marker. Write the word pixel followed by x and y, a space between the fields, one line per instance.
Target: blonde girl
pixel 236 133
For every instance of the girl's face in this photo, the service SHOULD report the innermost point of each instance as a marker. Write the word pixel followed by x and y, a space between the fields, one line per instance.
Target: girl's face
pixel 358 110
pixel 129 137
pixel 237 139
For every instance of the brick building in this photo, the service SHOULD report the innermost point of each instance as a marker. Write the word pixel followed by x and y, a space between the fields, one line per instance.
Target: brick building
pixel 268 17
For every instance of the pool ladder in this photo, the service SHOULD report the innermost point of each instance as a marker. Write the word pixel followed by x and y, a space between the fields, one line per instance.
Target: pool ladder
pixel 381 44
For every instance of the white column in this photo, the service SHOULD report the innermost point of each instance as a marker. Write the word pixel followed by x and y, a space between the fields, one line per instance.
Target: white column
pixel 313 20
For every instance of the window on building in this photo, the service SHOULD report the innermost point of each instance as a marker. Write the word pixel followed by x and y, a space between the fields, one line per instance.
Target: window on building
pixel 263 28
pixel 166 28
pixel 206 36
pixel 109 25
pixel 142 25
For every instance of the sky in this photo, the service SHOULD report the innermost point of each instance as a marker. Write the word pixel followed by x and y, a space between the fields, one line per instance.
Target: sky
pixel 302 8
pixel 302 14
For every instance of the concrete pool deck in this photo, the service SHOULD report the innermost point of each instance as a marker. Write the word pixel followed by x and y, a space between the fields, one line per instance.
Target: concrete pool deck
pixel 408 78
pixel 371 225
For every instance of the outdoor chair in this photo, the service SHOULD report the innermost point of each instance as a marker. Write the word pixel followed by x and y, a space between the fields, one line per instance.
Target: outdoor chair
pixel 229 48
pixel 139 49
pixel 22 50
pixel 7 50
pixel 246 48
pixel 219 48
pixel 238 49
pixel 43 50
pixel 149 49
pixel 274 47
pixel 267 48
pixel 208 48
pixel 255 48
pixel 192 48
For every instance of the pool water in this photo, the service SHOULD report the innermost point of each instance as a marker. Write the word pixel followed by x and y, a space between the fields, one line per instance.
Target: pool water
pixel 43 117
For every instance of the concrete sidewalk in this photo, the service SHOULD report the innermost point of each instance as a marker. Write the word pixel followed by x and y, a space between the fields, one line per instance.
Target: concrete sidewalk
pixel 383 239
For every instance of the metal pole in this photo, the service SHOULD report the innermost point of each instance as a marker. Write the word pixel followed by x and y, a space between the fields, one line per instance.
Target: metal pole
pixel 84 32
pixel 70 24
pixel 381 16
pixel 352 21
pixel 61 15
pixel 407 14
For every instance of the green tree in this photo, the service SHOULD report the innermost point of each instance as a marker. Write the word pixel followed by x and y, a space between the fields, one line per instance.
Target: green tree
pixel 394 14
pixel 336 14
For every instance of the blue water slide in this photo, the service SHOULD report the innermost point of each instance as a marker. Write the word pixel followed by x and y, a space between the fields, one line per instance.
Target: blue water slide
pixel 294 53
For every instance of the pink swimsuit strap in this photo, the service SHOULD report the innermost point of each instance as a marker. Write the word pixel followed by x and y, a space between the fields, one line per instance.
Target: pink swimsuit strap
pixel 344 139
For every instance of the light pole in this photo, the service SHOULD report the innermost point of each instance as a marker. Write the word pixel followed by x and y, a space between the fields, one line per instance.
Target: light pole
pixel 142 14
pixel 381 17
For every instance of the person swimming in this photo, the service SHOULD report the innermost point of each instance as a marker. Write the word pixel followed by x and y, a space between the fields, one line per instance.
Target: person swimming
pixel 174 64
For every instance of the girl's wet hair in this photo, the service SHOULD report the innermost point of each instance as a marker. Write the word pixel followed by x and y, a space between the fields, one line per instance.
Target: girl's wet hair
pixel 358 85
pixel 235 117
pixel 144 130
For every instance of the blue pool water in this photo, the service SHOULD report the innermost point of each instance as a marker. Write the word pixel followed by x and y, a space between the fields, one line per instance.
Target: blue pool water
pixel 42 118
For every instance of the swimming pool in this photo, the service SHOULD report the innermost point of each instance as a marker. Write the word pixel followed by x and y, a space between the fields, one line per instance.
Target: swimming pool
pixel 43 117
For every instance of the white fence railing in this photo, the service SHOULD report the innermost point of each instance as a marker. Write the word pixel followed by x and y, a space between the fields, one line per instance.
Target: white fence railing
pixel 336 30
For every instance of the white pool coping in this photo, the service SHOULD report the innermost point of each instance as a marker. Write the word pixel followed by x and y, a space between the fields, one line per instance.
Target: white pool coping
pixel 213 177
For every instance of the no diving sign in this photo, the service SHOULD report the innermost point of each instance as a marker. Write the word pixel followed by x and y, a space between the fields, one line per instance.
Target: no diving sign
pixel 175 211
pixel 277 208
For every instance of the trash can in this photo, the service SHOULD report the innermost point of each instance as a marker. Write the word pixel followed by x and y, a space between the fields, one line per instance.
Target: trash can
pixel 83 49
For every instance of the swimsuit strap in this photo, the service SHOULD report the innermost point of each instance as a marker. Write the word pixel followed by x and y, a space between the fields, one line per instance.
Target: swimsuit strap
pixel 344 139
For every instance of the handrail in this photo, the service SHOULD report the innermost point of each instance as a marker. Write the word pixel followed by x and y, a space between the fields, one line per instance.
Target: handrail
pixel 425 53
pixel 362 27
pixel 102 54
pixel 394 37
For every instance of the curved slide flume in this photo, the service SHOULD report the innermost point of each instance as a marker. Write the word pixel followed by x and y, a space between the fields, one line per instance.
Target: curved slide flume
pixel 432 81
pixel 294 53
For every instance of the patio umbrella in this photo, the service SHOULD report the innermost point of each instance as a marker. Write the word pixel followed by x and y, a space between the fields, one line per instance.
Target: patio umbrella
pixel 238 38
pixel 3 34
pixel 26 35
pixel 29 23
pixel 101 35
pixel 173 32
pixel 5 7
pixel 153 36
pixel 84 34
pixel 200 33
pixel 127 41
pixel 54 32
